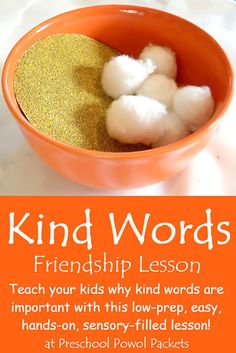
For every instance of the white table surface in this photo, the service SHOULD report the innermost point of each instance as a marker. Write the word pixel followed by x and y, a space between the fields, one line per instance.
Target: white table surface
pixel 212 172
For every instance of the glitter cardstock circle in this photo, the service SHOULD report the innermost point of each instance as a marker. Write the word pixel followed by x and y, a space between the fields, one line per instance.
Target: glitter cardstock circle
pixel 58 87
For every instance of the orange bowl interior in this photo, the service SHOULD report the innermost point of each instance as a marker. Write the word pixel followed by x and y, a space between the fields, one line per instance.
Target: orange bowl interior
pixel 200 60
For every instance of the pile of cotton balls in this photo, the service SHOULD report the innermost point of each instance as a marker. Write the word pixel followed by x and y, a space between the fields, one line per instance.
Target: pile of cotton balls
pixel 149 108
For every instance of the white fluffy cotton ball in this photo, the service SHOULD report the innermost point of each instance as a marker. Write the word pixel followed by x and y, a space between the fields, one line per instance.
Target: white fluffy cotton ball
pixel 123 75
pixel 136 119
pixel 163 58
pixel 194 105
pixel 174 130
pixel 159 87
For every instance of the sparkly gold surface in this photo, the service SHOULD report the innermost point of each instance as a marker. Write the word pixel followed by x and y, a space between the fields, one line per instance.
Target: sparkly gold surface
pixel 57 85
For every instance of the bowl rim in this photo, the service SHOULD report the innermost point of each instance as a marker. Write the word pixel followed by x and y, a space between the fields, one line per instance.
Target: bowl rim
pixel 182 143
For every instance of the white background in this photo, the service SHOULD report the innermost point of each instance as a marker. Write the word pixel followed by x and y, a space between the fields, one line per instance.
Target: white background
pixel 212 172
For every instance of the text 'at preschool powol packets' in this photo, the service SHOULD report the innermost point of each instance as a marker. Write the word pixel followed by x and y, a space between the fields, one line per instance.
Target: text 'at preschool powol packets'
pixel 150 276
pixel 102 98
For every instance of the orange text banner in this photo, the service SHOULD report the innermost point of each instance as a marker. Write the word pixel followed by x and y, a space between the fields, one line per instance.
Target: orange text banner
pixel 117 274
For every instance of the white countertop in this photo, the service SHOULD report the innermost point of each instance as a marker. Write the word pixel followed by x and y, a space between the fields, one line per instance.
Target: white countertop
pixel 212 172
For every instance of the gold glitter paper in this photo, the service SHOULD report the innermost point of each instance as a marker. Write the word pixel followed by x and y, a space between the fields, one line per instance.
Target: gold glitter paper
pixel 57 85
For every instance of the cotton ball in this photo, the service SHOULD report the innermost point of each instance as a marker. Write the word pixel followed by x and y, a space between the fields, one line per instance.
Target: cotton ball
pixel 159 87
pixel 123 75
pixel 194 105
pixel 163 58
pixel 174 130
pixel 136 119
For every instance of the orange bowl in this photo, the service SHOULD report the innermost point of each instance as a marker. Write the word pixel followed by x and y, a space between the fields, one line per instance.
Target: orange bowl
pixel 201 61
